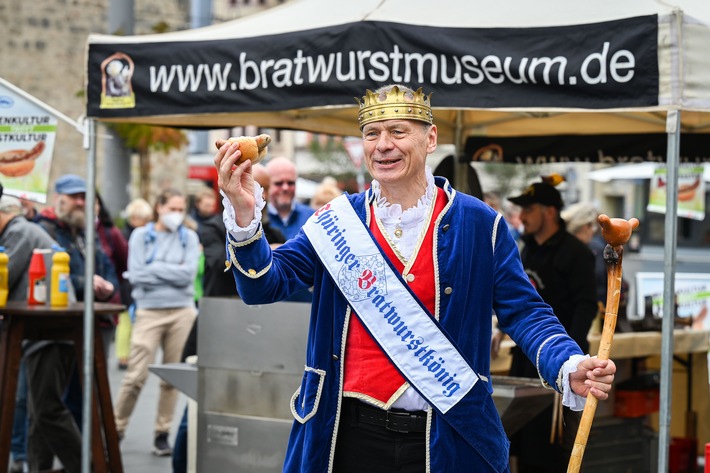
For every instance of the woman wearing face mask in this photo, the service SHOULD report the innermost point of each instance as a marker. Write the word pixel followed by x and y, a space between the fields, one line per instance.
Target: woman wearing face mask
pixel 162 264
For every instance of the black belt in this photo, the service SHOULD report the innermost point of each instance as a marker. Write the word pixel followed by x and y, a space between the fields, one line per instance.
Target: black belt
pixel 394 420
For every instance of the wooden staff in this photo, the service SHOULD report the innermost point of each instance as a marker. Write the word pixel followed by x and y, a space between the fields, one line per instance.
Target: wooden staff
pixel 616 233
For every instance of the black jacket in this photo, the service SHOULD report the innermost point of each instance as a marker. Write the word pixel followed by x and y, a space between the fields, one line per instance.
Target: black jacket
pixel 216 282
pixel 562 271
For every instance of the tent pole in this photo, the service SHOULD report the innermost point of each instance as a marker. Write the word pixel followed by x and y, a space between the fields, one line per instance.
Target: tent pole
pixel 460 171
pixel 89 262
pixel 669 260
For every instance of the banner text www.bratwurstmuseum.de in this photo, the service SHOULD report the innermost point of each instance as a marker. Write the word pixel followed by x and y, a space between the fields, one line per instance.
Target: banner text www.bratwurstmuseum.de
pixel 393 66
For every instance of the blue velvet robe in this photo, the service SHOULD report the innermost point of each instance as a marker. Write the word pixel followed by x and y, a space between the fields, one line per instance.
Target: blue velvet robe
pixel 478 271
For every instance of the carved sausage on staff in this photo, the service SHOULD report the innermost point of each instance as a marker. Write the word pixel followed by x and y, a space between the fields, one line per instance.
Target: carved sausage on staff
pixel 616 233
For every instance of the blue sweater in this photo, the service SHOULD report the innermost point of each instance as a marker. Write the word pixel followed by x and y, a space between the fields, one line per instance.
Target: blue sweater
pixel 162 267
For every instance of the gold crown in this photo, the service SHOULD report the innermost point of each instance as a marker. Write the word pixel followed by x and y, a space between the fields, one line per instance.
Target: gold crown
pixel 395 106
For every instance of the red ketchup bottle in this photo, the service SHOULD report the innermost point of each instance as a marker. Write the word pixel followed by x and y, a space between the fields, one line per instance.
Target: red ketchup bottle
pixel 37 287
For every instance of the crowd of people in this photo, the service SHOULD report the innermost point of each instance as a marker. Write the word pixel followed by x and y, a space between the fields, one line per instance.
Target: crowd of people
pixel 150 264
pixel 455 266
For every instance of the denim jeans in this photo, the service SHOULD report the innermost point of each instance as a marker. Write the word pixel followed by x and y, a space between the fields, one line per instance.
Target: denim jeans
pixel 18 443
pixel 180 446
pixel 74 394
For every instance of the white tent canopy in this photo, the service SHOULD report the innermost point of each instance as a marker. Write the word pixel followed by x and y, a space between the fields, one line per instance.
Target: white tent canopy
pixel 176 76
pixel 496 69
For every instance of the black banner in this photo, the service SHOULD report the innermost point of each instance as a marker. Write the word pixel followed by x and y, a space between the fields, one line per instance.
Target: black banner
pixel 609 149
pixel 594 66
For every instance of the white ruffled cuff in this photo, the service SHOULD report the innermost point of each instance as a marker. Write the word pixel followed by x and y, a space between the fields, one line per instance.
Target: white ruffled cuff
pixel 229 217
pixel 570 398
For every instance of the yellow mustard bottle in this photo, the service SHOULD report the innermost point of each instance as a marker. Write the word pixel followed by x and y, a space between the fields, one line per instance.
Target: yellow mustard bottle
pixel 59 291
pixel 4 260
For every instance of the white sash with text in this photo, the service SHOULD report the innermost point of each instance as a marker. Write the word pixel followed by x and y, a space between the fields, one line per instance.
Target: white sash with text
pixel 407 333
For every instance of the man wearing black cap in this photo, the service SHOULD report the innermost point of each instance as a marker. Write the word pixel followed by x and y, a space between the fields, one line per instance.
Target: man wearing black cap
pixel 562 270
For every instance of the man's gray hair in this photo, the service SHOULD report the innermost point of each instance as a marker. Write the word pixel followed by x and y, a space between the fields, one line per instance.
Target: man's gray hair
pixel 10 205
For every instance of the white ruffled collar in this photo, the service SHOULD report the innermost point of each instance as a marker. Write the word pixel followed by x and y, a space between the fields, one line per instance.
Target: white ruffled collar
pixel 392 214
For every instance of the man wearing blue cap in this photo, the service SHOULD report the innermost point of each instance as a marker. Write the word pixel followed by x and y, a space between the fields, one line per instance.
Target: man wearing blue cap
pixel 55 433
pixel 66 222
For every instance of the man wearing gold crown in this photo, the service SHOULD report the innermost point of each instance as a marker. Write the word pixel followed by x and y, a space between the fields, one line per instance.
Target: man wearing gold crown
pixel 405 278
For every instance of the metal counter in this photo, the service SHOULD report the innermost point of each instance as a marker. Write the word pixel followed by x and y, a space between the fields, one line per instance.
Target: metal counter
pixel 251 360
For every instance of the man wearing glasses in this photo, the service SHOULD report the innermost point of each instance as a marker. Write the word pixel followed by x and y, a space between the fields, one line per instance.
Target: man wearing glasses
pixel 285 213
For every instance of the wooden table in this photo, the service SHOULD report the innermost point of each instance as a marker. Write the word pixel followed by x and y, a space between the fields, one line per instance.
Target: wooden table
pixel 690 384
pixel 690 407
pixel 22 321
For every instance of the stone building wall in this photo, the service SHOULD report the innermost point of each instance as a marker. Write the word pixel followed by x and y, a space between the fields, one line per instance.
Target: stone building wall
pixel 42 51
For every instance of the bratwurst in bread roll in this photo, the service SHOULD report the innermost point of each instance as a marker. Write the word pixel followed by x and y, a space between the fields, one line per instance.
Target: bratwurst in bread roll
pixel 252 147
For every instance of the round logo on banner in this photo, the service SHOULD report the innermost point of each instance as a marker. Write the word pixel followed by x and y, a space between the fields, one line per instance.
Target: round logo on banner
pixel 6 102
